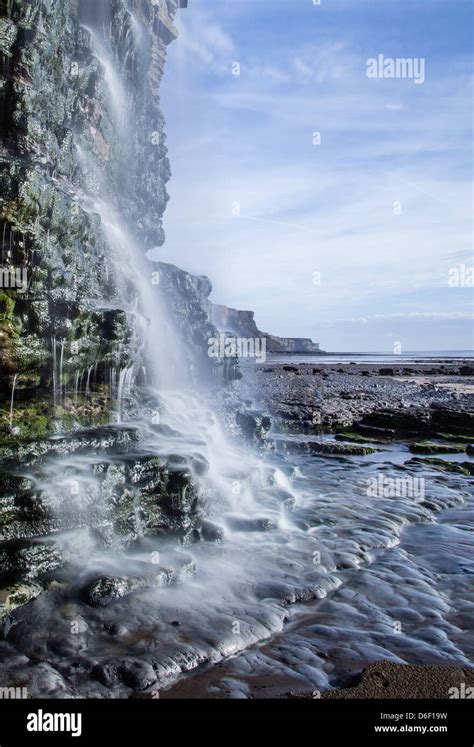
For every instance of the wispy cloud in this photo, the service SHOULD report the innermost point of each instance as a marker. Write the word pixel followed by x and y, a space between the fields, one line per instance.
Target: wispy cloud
pixel 381 207
pixel 205 43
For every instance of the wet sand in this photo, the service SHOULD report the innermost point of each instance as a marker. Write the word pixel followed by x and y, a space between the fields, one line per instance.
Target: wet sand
pixel 381 680
pixel 384 679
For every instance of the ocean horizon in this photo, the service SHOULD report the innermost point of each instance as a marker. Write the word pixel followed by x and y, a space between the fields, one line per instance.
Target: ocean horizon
pixel 369 357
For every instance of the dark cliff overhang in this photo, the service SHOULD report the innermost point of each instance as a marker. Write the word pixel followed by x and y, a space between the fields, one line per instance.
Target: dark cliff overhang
pixel 183 4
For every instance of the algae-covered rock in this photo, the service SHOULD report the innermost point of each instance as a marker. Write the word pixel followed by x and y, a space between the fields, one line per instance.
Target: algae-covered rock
pixel 17 595
pixel 358 439
pixel 443 465
pixel 44 229
pixel 453 438
pixel 28 561
pixel 13 597
pixel 317 448
pixel 431 447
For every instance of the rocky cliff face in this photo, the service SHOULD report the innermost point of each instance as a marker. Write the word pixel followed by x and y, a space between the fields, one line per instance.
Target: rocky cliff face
pixel 242 324
pixel 73 72
pixel 187 298
pixel 298 345
pixel 68 332
pixel 52 101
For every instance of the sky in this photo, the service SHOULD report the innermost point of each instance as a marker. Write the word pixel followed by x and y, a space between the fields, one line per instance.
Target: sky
pixel 335 205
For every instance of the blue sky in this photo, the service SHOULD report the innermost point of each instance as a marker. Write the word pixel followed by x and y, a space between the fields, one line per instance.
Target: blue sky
pixel 381 208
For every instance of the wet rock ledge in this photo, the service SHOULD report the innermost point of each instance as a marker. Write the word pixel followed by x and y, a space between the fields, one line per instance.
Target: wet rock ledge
pixel 367 401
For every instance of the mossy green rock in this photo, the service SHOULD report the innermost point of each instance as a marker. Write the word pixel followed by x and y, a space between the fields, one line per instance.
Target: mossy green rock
pixel 53 105
pixel 430 447
pixel 453 438
pixel 460 468
pixel 317 448
pixel 358 439
pixel 17 595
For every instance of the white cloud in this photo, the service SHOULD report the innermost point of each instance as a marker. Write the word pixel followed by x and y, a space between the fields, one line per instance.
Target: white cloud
pixel 204 42
pixel 307 208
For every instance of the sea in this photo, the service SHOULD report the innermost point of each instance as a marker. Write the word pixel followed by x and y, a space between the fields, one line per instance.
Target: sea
pixel 410 356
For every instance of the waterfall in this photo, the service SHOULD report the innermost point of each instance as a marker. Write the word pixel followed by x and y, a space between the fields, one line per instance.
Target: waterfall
pixel 125 382
pixel 58 369
pixel 115 85
pixel 200 483
pixel 55 383
pixel 76 386
pixel 61 369
pixel 233 477
pixel 87 391
pixel 15 378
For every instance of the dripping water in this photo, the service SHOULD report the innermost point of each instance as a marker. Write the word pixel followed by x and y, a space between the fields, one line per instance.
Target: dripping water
pixel 12 400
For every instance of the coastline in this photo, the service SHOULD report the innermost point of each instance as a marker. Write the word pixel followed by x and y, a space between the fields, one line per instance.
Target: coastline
pixel 376 407
pixel 383 558
pixel 413 399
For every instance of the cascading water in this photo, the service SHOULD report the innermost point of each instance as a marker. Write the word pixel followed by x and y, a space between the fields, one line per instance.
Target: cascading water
pixel 228 479
pixel 284 539
pixel 293 541
pixel 12 400
pixel 239 488
pixel 183 412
